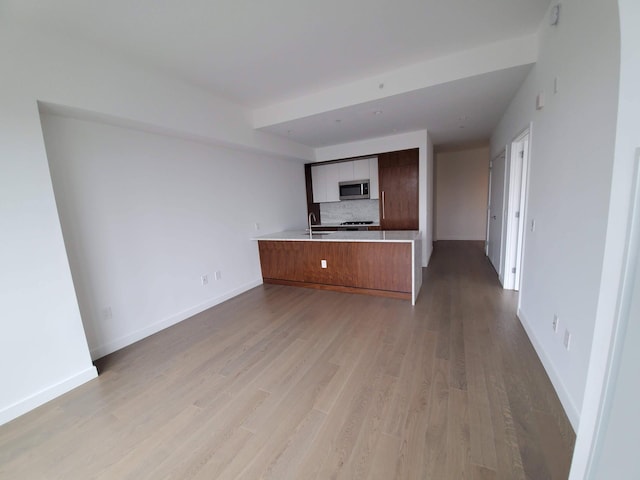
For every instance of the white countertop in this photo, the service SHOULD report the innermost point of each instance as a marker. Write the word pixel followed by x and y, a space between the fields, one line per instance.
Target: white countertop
pixel 348 236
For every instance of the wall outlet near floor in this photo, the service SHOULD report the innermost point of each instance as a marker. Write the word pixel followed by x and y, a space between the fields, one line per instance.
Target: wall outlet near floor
pixel 323 263
pixel 218 275
pixel 567 339
pixel 556 321
pixel 204 279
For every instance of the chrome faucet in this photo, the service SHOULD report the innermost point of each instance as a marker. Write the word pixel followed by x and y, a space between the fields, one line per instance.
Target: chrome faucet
pixel 311 214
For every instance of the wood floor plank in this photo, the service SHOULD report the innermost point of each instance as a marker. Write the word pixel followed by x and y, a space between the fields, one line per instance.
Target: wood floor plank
pixel 255 459
pixel 483 451
pixel 285 463
pixel 436 449
pixel 362 457
pixel 385 456
pixel 457 365
pixel 205 439
pixel 283 382
pixel 458 442
pixel 360 400
pixel 479 472
pixel 414 430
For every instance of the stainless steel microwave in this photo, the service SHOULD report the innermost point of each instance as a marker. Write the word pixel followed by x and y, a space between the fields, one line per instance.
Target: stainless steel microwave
pixel 354 189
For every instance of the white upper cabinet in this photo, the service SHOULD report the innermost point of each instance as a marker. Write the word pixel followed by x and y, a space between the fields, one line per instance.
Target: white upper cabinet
pixel 346 171
pixel 326 177
pixel 318 179
pixel 373 179
pixel 333 177
pixel 360 169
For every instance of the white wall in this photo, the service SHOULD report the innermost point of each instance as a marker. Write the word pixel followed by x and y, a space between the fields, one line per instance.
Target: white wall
pixel 461 188
pixel 620 430
pixel 569 186
pixel 431 197
pixel 144 216
pixel 43 349
pixel 605 444
pixel 401 141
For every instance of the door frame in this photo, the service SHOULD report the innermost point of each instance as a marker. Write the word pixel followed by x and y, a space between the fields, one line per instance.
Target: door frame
pixel 515 211
pixel 486 241
pixel 500 239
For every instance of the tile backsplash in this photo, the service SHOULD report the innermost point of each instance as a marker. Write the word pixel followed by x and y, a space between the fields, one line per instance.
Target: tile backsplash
pixel 334 213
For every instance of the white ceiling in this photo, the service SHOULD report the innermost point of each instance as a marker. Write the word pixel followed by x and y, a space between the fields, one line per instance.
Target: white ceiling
pixel 464 110
pixel 260 53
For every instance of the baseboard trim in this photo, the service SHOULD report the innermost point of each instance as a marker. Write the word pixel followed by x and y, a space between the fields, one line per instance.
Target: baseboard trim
pixel 565 399
pixel 427 259
pixel 124 341
pixel 43 396
pixel 459 238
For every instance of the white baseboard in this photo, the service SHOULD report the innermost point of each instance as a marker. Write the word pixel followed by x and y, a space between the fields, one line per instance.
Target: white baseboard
pixel 43 396
pixel 427 259
pixel 565 399
pixel 465 238
pixel 118 343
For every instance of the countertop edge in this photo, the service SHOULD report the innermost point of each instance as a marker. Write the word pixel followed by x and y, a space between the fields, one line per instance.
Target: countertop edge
pixel 349 236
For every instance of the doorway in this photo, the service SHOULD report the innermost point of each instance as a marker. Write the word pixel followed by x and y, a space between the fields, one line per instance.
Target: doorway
pixel 495 212
pixel 515 210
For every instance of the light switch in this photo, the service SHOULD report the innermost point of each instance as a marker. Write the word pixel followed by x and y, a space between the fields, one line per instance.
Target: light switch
pixel 323 263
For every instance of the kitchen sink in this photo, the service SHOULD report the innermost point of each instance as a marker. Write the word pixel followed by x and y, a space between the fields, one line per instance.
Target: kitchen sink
pixel 317 234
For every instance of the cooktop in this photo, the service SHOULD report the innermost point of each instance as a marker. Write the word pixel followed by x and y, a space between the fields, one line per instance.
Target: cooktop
pixel 358 222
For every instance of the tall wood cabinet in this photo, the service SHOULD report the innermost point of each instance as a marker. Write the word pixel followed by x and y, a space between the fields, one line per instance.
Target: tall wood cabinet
pixel 398 184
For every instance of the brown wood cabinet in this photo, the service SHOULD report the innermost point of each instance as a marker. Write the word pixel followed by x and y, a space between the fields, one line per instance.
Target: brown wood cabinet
pixel 377 268
pixel 311 207
pixel 398 177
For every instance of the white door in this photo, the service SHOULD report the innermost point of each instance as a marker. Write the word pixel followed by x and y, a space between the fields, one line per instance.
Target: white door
pixel 496 208
pixel 515 211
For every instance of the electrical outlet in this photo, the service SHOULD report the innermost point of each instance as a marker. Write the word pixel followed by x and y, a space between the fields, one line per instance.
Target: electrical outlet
pixel 323 263
pixel 567 339
pixel 256 226
pixel 556 321
pixel 107 313
pixel 204 279
pixel 218 275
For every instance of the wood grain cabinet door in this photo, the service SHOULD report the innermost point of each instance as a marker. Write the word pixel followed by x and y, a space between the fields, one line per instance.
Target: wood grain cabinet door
pixel 282 260
pixel 338 257
pixel 398 183
pixel 382 266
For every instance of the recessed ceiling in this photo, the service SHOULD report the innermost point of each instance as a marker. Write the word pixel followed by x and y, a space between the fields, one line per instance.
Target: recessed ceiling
pixel 262 53
pixel 453 112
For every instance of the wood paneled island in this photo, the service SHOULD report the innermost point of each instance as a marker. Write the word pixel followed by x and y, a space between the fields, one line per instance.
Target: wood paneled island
pixel 384 263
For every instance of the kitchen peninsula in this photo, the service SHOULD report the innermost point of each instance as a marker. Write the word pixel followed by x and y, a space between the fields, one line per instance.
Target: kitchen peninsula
pixel 382 263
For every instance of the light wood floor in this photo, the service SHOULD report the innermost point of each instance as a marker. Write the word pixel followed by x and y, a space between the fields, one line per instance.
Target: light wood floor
pixel 284 382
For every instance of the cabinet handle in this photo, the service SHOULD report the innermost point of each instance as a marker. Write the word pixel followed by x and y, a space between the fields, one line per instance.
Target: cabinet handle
pixel 383 217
